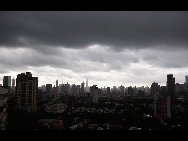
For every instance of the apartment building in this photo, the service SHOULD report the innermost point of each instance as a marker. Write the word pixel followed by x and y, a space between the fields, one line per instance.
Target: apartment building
pixel 26 91
pixel 3 106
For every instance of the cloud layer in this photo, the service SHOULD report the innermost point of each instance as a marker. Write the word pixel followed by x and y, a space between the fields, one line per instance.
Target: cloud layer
pixel 109 48
pixel 81 29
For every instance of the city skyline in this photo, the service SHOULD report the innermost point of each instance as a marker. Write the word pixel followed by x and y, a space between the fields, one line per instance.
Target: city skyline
pixel 85 86
pixel 109 48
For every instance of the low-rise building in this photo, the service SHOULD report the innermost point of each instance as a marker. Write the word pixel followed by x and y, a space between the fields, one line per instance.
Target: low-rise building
pixel 51 123
pixel 56 108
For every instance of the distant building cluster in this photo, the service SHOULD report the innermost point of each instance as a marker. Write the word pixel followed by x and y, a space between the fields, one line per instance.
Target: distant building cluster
pixel 62 96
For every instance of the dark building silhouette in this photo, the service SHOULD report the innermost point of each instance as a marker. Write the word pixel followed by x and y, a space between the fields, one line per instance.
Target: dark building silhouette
pixel 130 91
pixel 141 93
pixel 49 89
pixel 108 91
pixel 26 91
pixel 154 88
pixel 162 108
pixel 7 81
pixel 82 87
pixel 57 83
pixel 3 106
pixel 13 82
pixel 163 91
pixel 170 86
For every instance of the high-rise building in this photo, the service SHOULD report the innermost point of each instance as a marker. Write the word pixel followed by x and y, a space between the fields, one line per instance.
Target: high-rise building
pixel 114 89
pixel 49 89
pixel 13 85
pixel 94 93
pixel 130 91
pixel 26 91
pixel 82 87
pixel 170 86
pixel 186 82
pixel 7 81
pixel 55 90
pixel 121 89
pixel 162 109
pixel 73 89
pixel 3 106
pixel 78 89
pixel 13 82
pixel 154 88
pixel 87 87
pixel 186 79
pixel 163 91
pixel 57 83
pixel 108 91
pixel 141 94
pixel 65 89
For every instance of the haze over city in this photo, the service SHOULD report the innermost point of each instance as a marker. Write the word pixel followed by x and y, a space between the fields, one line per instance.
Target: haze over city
pixel 109 48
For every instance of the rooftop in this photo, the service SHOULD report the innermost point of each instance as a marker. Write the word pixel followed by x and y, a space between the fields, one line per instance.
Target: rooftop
pixel 48 120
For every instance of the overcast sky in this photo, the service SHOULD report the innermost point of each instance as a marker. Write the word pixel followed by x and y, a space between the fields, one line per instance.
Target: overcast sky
pixel 109 48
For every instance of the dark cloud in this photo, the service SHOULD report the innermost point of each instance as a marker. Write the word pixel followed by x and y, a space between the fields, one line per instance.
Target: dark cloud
pixel 78 29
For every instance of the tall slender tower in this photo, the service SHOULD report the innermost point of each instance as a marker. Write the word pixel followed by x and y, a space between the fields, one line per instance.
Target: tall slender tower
pixel 86 83
pixel 56 83
pixel 170 86
pixel 82 87
pixel 13 82
pixel 87 87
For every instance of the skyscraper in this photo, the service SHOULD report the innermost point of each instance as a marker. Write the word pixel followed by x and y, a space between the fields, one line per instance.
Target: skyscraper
pixel 57 83
pixel 87 87
pixel 3 106
pixel 86 83
pixel 162 109
pixel 94 93
pixel 170 86
pixel 13 82
pixel 154 88
pixel 186 81
pixel 49 89
pixel 7 81
pixel 130 91
pixel 82 87
pixel 108 91
pixel 26 91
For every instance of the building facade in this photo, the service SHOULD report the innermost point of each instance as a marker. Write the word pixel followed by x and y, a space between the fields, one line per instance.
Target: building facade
pixel 130 91
pixel 154 88
pixel 7 81
pixel 49 89
pixel 3 106
pixel 82 87
pixel 94 93
pixel 162 106
pixel 26 91
pixel 108 91
pixel 170 86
